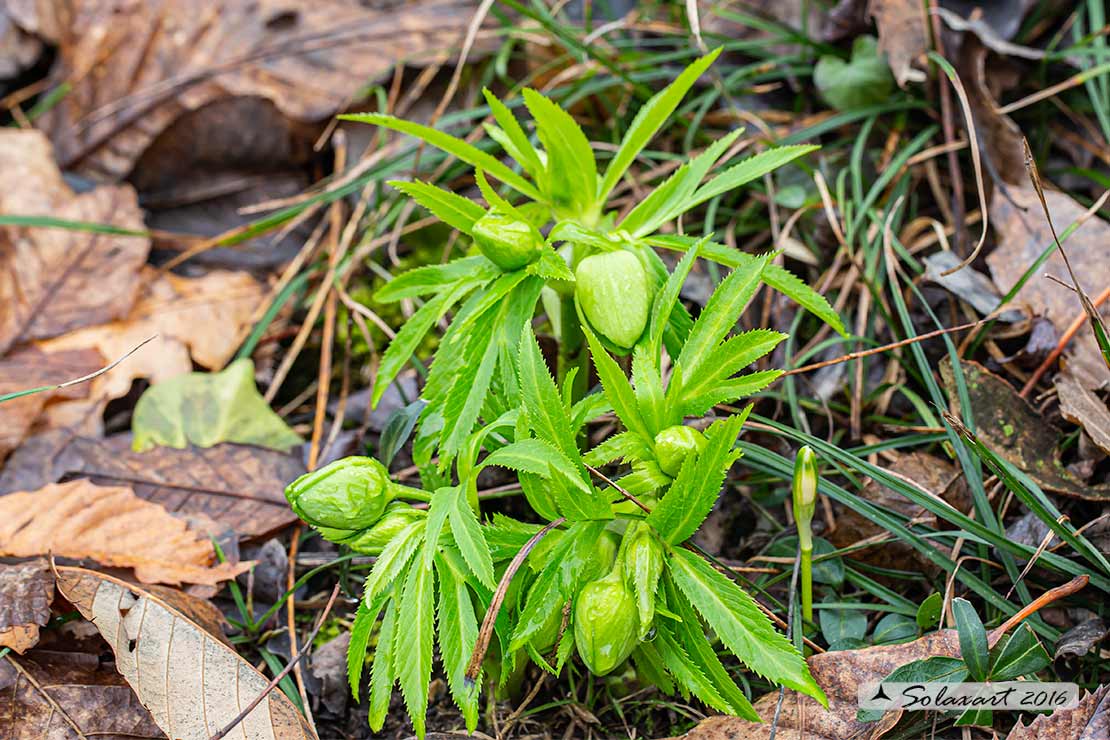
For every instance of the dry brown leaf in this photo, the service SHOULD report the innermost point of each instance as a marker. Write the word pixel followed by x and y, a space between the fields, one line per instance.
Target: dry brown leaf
pixel 69 696
pixel 57 280
pixel 26 590
pixel 1012 428
pixel 136 67
pixel 902 36
pixel 196 319
pixel 193 684
pixel 238 486
pixel 839 674
pixel 112 526
pixel 29 368
pixel 1082 406
pixel 1023 234
pixel 1088 721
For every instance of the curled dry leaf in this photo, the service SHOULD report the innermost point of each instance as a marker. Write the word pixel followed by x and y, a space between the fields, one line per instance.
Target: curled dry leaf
pixel 29 368
pixel 1010 426
pixel 26 590
pixel 839 674
pixel 1088 721
pixel 902 36
pixel 136 67
pixel 69 696
pixel 57 280
pixel 196 319
pixel 1023 234
pixel 1081 405
pixel 193 684
pixel 1081 638
pixel 112 526
pixel 238 486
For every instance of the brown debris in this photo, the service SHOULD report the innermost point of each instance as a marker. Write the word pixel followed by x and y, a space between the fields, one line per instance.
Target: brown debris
pixel 26 590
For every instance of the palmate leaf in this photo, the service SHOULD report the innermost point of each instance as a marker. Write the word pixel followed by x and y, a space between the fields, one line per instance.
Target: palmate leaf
pixel 575 496
pixel 454 210
pixel 382 674
pixel 395 556
pixel 458 634
pixel 467 533
pixel 736 619
pixel 468 153
pixel 412 642
pixel 571 171
pixel 730 390
pixel 649 119
pixel 729 358
pixel 691 497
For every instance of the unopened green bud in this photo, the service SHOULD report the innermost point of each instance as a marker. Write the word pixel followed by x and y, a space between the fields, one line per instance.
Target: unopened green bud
pixel 604 555
pixel 606 627
pixel 642 561
pixel 614 294
pixel 397 516
pixel 506 241
pixel 349 494
pixel 805 494
pixel 674 444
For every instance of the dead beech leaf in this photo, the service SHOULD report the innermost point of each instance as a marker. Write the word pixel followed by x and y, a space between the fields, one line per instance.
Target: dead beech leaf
pixel 29 368
pixel 112 526
pixel 1013 429
pixel 26 590
pixel 196 319
pixel 238 486
pixel 69 696
pixel 56 280
pixel 137 67
pixel 1022 236
pixel 1082 406
pixel 1088 721
pixel 902 36
pixel 192 683
pixel 840 674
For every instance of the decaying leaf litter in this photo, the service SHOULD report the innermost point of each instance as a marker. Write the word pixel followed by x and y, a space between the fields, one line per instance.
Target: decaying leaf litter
pixel 969 465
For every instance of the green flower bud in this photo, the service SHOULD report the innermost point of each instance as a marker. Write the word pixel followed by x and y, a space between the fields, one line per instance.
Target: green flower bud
pixel 805 494
pixel 615 296
pixel 348 494
pixel 606 628
pixel 642 563
pixel 604 556
pixel 507 242
pixel 397 516
pixel 674 444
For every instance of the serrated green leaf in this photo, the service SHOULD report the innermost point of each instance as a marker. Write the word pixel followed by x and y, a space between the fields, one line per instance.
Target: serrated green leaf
pixel 676 189
pixel 361 629
pixel 576 497
pixel 666 299
pixel 438 510
pixel 382 674
pixel 458 634
pixel 646 478
pixel 617 388
pixel 412 644
pixel 730 357
pixel 463 403
pixel 505 536
pixel 651 116
pixel 686 672
pixel 470 540
pixel 397 430
pixel 587 409
pixel 436 278
pixel 720 315
pixel 522 150
pixel 730 390
pixel 650 667
pixel 973 638
pixel 750 169
pixel 454 210
pixel 571 168
pixel 694 492
pixel 395 556
pixel 624 445
pixel 542 403
pixel 468 153
pixel 736 619
pixel 648 387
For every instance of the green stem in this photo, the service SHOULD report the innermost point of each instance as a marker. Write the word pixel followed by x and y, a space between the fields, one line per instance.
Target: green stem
pixel 807 584
pixel 409 493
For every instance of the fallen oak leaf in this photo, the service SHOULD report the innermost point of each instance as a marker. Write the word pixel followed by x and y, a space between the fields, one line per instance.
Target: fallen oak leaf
pixel 112 526
pixel 69 696
pixel 56 280
pixel 239 486
pixel 26 590
pixel 193 684
pixel 1090 720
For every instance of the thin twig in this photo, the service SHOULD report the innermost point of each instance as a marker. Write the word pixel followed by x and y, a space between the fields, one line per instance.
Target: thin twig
pixel 296 659
pixel 1074 585
pixel 82 379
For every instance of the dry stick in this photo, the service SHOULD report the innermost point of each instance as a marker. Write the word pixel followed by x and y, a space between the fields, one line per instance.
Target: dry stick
pixel 1036 556
pixel 295 660
pixel 83 378
pixel 486 632
pixel 886 347
pixel 1065 339
pixel 1060 592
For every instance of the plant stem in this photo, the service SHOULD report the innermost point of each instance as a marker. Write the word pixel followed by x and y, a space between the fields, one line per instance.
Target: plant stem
pixel 807 584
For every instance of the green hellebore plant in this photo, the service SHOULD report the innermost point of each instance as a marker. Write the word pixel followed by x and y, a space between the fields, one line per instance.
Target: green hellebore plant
pixel 674 444
pixel 506 241
pixel 606 622
pixel 612 289
pixel 349 494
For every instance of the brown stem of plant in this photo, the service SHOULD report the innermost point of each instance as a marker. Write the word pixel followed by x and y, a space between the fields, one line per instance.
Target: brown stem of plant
pixel 284 671
pixel 486 632
pixel 628 496
pixel 1060 592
